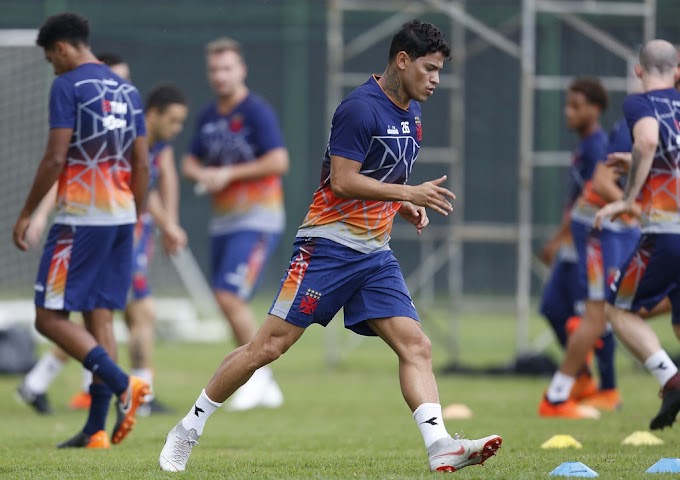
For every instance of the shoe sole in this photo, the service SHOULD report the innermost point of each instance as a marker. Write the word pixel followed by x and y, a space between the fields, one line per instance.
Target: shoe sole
pixel 129 421
pixel 477 458
pixel 666 416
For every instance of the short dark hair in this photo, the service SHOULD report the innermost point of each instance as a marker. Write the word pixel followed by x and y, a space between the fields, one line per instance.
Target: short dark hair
pixel 69 27
pixel 592 89
pixel 110 58
pixel 162 96
pixel 418 39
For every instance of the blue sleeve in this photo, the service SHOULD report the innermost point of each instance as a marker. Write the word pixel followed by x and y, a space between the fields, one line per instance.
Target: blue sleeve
pixel 266 130
pixel 594 151
pixel 352 130
pixel 63 104
pixel 619 138
pixel 636 107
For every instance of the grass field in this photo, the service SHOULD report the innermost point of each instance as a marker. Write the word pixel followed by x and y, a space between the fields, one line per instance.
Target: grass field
pixel 348 422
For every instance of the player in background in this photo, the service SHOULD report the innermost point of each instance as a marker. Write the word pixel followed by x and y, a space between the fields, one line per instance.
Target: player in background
pixel 97 151
pixel 238 155
pixel 652 272
pixel 165 113
pixel 586 100
pixel 341 256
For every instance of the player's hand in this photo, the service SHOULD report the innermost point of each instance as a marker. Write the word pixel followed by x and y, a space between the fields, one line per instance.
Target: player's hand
pixel 614 210
pixel 216 179
pixel 431 195
pixel 19 233
pixel 620 161
pixel 549 251
pixel 415 215
pixel 174 238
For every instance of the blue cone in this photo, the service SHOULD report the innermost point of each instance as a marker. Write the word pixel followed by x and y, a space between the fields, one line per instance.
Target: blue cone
pixel 574 469
pixel 665 465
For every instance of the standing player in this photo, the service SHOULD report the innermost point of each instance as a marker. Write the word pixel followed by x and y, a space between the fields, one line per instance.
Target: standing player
pixel 342 259
pixel 238 155
pixel 97 150
pixel 652 271
pixel 586 100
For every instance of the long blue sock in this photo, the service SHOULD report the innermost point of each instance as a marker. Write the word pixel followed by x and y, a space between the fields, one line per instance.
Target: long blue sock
pixel 100 364
pixel 101 398
pixel 605 361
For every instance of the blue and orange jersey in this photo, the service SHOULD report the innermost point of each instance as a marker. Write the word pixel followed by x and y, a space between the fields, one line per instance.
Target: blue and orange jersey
pixel 660 195
pixel 243 135
pixel 591 150
pixel 154 163
pixel 368 128
pixel 105 113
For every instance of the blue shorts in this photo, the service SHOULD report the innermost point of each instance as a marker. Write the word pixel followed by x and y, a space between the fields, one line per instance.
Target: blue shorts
pixel 85 267
pixel 651 273
pixel 325 276
pixel 600 255
pixel 142 255
pixel 238 260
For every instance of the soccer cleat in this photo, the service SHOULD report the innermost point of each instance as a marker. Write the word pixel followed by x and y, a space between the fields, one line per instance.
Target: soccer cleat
pixel 566 409
pixel 259 391
pixel 127 408
pixel 272 397
pixel 80 401
pixel 584 387
pixel 82 440
pixel 38 401
pixel 154 407
pixel 450 454
pixel 670 406
pixel 609 400
pixel 177 448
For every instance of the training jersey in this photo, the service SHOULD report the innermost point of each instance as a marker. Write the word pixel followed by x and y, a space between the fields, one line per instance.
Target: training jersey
pixel 590 202
pixel 154 163
pixel 585 201
pixel 249 131
pixel 660 195
pixel 369 128
pixel 106 115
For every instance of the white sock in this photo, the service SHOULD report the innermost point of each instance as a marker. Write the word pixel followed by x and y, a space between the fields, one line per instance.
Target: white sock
pixel 199 413
pixel 560 387
pixel 43 373
pixel 661 366
pixel 87 380
pixel 428 416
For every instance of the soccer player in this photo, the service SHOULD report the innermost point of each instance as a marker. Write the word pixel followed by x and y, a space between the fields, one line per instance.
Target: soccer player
pixel 341 256
pixel 97 150
pixel 596 253
pixel 652 271
pixel 238 156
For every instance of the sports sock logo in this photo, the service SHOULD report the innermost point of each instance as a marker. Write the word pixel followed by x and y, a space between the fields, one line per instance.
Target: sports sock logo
pixel 661 366
pixel 431 421
pixel 196 410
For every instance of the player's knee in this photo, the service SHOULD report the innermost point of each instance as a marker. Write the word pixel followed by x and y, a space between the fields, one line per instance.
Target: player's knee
pixel 420 348
pixel 268 352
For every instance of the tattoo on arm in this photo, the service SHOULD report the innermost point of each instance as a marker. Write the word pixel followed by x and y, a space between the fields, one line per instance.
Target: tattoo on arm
pixel 392 84
pixel 632 189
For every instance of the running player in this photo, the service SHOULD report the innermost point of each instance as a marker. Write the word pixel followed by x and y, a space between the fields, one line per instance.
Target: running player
pixel 651 272
pixel 238 156
pixel 97 150
pixel 342 259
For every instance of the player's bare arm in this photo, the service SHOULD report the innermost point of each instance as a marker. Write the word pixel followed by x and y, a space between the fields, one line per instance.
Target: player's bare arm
pixel 46 176
pixel 347 182
pixel 40 217
pixel 604 183
pixel 174 236
pixel 168 182
pixel 550 248
pixel 140 171
pixel 646 134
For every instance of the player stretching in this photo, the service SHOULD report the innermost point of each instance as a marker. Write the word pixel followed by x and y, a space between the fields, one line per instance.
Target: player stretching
pixel 342 259
pixel 97 150
pixel 653 270
pixel 238 155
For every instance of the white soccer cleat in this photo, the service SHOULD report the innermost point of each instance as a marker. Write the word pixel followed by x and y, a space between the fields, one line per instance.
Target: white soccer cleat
pixel 273 397
pixel 260 391
pixel 451 454
pixel 177 448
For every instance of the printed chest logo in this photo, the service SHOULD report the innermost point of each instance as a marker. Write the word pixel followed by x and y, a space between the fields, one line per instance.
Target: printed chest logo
pixel 110 109
pixel 309 302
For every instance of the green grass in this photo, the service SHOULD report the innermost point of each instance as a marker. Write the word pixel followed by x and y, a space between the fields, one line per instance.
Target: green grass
pixel 347 422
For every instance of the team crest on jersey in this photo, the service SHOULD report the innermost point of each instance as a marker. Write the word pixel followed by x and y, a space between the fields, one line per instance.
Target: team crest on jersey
pixel 419 129
pixel 236 123
pixel 310 301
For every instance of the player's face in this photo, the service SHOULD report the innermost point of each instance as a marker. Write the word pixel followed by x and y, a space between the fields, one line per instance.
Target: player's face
pixel 58 57
pixel 578 112
pixel 421 75
pixel 226 72
pixel 169 124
